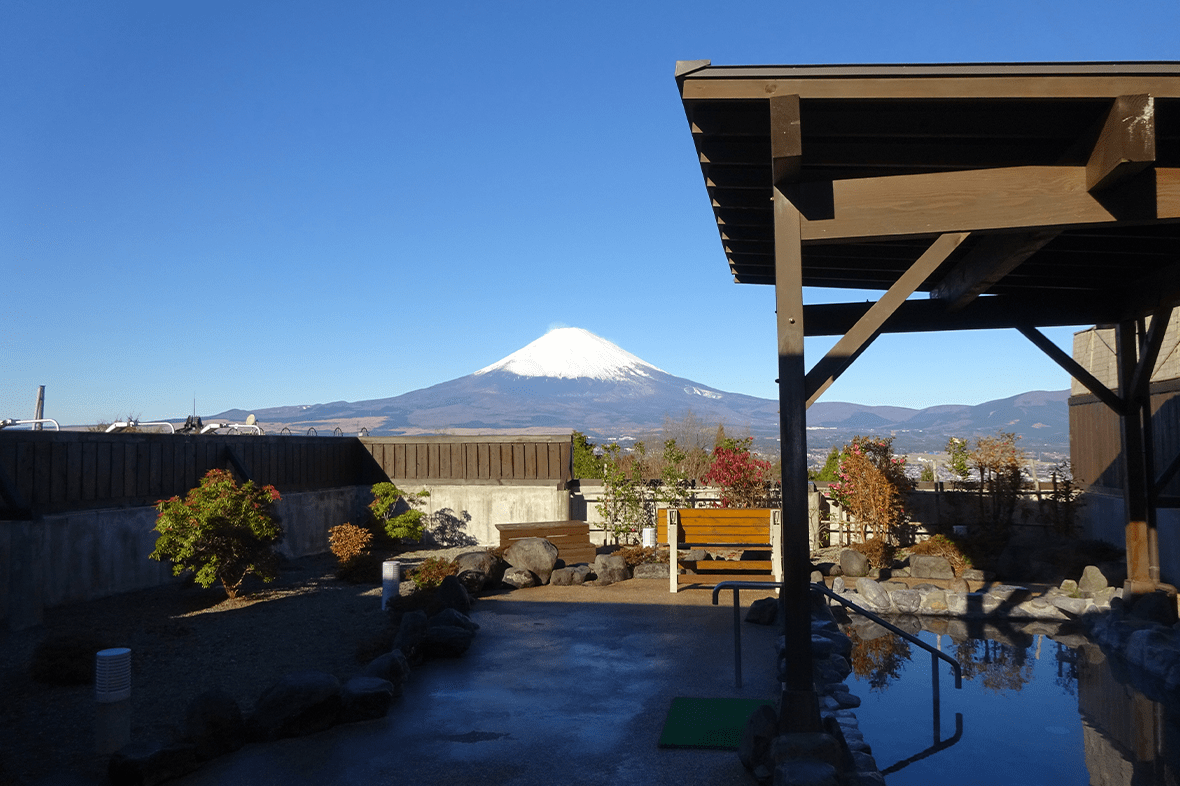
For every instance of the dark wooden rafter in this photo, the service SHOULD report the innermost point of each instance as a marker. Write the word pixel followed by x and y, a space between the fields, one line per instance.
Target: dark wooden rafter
pixel 1126 144
pixel 868 327
pixel 1073 368
pixel 992 258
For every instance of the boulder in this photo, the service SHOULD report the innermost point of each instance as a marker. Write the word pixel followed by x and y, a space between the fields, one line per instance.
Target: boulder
pixel 410 633
pixel 759 733
pixel 519 578
pixel 907 601
pixel 611 569
pixel 958 586
pixel 1155 607
pixel 391 667
pixel 650 570
pixel 452 617
pixel 805 772
pixel 974 574
pixel 149 763
pixel 536 555
pixel 453 595
pixel 930 566
pixel 365 698
pixel 874 594
pixel 763 611
pixel 302 702
pixel 483 565
pixel 1092 580
pixel 213 723
pixel 447 641
pixel 838 585
pixel 817 577
pixel 934 601
pixel 853 564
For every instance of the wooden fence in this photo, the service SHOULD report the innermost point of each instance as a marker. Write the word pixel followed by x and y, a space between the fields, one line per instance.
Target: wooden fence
pixel 474 459
pixel 55 471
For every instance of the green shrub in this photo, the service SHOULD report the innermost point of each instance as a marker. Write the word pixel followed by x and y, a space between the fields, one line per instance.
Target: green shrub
pixel 432 572
pixel 407 525
pixel 221 531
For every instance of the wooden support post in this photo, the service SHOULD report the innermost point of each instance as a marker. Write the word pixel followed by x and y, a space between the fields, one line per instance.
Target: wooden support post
pixel 1135 490
pixel 799 704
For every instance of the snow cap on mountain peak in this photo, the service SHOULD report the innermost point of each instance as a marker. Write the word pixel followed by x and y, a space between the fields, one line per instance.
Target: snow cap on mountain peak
pixel 572 353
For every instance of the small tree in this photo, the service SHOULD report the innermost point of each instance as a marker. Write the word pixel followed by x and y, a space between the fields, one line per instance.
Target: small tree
pixel 587 463
pixel 958 460
pixel 1001 474
pixel 829 472
pixel 624 507
pixel 872 485
pixel 221 531
pixel 675 483
pixel 741 476
pixel 407 524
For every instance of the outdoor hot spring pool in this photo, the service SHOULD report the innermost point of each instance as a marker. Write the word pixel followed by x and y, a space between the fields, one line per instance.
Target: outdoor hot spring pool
pixel 1039 705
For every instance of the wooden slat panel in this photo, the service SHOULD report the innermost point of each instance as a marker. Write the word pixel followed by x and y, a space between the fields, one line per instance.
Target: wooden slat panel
pixel 399 462
pixel 143 463
pixel 496 460
pixel 433 460
pixel 130 470
pixel 728 566
pixel 459 459
pixel 155 469
pixel 531 469
pixel 89 471
pixel 73 472
pixel 483 461
pixel 423 466
pixel 518 469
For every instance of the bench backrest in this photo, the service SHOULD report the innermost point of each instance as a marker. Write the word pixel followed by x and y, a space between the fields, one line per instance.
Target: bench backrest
pixel 718 525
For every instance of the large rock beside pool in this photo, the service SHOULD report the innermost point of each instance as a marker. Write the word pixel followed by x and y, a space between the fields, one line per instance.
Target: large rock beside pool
pixel 873 593
pixel 520 578
pixel 479 569
pixel 1092 580
pixel 214 723
pixel 570 576
pixel 853 564
pixel 536 555
pixel 365 698
pixel 302 702
pixel 930 566
pixel 453 595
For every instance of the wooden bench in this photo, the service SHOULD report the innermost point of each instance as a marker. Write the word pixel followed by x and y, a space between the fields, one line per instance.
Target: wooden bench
pixel 752 530
pixel 572 538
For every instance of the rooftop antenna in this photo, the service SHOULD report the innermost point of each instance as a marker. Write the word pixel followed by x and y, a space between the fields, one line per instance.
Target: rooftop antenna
pixel 39 411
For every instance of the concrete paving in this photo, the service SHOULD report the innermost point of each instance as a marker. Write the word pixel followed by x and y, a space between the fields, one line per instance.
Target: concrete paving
pixel 565 685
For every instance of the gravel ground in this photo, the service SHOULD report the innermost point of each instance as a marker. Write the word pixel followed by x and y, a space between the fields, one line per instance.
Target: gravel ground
pixel 183 640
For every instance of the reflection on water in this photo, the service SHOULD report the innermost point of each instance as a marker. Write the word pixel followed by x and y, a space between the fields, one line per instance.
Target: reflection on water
pixel 1040 704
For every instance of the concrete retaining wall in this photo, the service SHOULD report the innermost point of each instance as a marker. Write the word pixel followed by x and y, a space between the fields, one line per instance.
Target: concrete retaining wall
pixel 84 555
pixel 467 514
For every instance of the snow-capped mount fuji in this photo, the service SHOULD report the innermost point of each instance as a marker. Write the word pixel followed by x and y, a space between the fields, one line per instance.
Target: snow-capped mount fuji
pixel 572 379
pixel 573 353
pixel 567 379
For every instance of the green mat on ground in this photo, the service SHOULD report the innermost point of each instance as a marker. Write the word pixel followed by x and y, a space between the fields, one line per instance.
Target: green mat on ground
pixel 707 723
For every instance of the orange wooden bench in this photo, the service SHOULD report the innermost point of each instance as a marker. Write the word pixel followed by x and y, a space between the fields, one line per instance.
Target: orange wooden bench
pixel 572 538
pixel 752 530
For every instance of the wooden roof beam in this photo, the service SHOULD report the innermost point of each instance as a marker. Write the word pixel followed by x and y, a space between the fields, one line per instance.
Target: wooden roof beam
pixel 992 258
pixel 1007 198
pixel 1126 144
pixel 868 327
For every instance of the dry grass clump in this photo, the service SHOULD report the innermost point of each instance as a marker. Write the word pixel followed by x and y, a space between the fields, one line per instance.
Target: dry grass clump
pixel 639 555
pixel 942 546
pixel 878 551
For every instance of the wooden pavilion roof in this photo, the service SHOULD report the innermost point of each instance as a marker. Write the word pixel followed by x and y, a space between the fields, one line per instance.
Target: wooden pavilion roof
pixel 1060 184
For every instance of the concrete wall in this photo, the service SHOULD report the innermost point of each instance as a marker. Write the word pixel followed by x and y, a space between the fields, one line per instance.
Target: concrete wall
pixel 1094 349
pixel 467 514
pixel 84 555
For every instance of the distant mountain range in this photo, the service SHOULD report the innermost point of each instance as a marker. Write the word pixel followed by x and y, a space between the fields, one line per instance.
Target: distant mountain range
pixel 572 379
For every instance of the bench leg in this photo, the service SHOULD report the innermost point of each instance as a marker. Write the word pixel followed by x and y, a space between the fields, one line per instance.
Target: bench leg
pixel 673 552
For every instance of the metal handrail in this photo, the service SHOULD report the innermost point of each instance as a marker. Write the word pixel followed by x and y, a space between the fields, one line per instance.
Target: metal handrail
pixel 908 637
pixel 737 627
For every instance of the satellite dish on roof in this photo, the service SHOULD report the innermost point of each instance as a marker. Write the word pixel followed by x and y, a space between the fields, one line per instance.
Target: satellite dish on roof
pixel 251 420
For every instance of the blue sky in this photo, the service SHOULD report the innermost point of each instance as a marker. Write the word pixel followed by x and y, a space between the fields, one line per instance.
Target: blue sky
pixel 269 203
